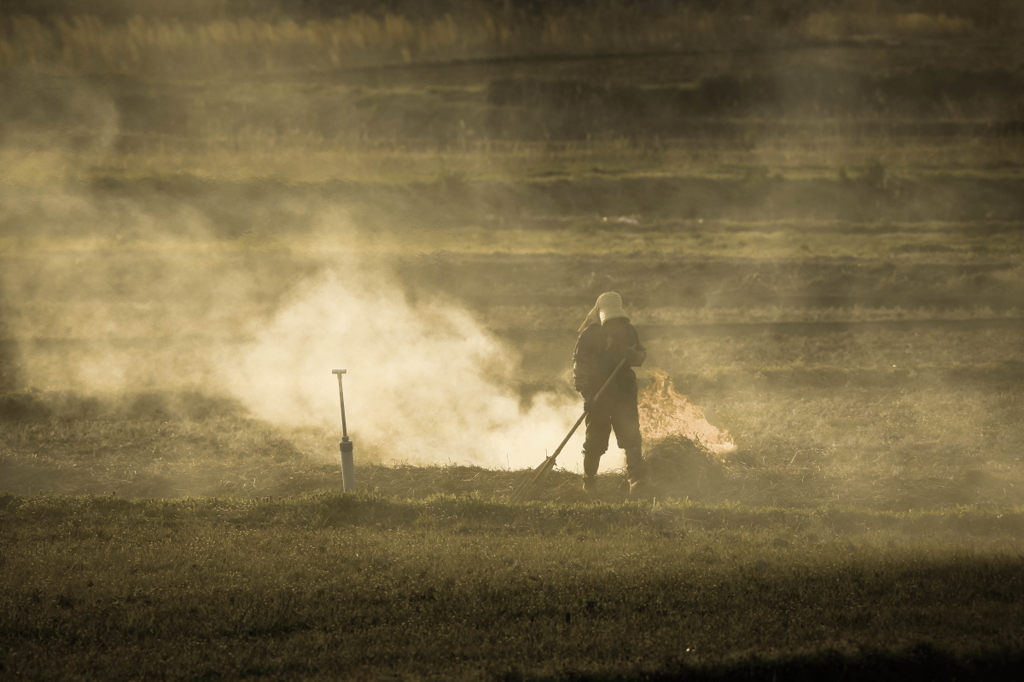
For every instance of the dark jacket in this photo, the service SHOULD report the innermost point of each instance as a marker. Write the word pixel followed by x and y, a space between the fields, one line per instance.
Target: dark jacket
pixel 598 351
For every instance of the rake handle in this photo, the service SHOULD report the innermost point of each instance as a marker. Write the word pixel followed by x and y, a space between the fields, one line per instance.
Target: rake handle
pixel 568 435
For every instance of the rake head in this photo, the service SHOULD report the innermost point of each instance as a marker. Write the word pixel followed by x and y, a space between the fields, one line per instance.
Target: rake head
pixel 532 479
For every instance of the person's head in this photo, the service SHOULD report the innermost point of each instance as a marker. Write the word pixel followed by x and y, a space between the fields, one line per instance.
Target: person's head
pixel 609 307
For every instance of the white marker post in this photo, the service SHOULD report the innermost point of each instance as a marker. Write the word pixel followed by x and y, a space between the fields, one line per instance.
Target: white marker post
pixel 348 465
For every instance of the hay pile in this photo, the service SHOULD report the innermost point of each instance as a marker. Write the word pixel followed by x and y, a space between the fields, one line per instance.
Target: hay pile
pixel 680 467
pixel 684 452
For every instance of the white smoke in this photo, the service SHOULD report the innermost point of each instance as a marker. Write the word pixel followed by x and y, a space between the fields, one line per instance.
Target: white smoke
pixel 172 308
pixel 425 381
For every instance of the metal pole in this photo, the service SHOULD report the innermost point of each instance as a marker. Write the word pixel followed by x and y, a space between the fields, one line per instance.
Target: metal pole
pixel 341 395
pixel 348 466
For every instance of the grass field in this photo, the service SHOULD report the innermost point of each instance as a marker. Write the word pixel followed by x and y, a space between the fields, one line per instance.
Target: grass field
pixel 373 586
pixel 814 214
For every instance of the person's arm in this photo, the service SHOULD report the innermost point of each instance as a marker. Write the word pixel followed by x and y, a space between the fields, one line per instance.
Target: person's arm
pixel 637 355
pixel 585 369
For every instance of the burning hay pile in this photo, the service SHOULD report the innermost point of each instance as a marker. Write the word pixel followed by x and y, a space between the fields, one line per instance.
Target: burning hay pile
pixel 684 451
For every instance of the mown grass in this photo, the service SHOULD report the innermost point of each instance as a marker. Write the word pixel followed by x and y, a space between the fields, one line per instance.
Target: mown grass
pixel 463 588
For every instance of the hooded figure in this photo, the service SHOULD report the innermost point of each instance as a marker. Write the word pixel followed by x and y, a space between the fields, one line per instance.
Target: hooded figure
pixel 606 337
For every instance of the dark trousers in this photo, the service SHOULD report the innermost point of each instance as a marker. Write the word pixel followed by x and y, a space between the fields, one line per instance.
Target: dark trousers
pixel 623 417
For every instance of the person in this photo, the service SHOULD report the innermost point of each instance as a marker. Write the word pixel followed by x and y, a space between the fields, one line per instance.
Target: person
pixel 606 337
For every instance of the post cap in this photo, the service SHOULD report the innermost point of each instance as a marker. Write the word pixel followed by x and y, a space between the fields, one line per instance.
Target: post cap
pixel 338 371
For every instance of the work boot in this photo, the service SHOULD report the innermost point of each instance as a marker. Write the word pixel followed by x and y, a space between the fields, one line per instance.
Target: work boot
pixel 636 467
pixel 590 484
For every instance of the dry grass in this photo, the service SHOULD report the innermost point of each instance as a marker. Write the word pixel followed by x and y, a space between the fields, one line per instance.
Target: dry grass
pixel 152 45
pixel 838 24
pixel 237 149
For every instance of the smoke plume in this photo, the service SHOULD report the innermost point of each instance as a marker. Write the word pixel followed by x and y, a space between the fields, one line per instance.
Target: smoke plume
pixel 144 299
pixel 424 379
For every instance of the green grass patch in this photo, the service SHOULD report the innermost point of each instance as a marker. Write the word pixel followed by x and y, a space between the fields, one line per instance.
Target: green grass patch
pixel 463 588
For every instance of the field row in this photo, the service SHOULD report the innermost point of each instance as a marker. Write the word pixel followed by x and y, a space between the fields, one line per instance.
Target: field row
pixel 516 102
pixel 156 44
pixel 747 212
pixel 130 292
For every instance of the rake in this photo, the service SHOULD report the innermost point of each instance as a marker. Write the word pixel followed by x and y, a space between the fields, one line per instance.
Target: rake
pixel 522 492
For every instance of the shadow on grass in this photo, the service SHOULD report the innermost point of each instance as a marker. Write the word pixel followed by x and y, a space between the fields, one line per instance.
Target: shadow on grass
pixel 918 662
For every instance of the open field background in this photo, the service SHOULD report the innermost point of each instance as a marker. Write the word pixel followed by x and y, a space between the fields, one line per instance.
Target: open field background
pixel 814 213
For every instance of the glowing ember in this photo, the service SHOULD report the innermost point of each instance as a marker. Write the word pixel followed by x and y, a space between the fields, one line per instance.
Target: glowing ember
pixel 664 413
